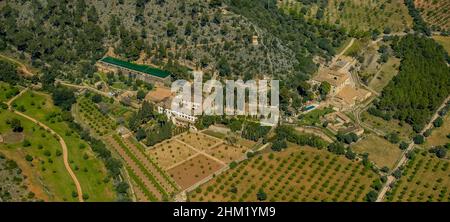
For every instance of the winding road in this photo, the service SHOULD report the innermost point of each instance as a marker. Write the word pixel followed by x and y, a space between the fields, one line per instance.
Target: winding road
pixel 60 140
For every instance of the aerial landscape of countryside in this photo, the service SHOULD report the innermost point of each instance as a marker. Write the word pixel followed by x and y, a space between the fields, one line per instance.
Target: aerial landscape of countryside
pixel 91 108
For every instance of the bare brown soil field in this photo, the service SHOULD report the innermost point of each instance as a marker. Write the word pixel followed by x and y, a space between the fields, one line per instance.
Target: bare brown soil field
pixel 199 140
pixel 10 138
pixel 194 170
pixel 170 152
pixel 227 153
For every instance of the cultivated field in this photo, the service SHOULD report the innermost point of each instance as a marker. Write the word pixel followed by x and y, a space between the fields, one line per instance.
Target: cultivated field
pixel 199 141
pixel 149 180
pixel 194 170
pixel 227 153
pixel 381 152
pixel 89 170
pixel 435 12
pixel 90 114
pixel 296 174
pixel 425 178
pixel 191 157
pixel 170 152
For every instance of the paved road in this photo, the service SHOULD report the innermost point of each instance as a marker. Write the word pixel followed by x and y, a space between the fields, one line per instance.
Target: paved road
pixel 61 142
pixel 404 158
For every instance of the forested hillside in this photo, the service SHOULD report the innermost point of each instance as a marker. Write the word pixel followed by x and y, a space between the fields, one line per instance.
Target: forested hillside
pixel 65 38
pixel 195 33
pixel 359 17
pixel 305 38
pixel 421 85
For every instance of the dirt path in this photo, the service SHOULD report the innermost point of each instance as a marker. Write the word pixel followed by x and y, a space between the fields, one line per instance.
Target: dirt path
pixel 60 140
pixel 22 67
pixel 344 50
pixel 315 131
pixel 65 153
pixel 202 152
pixel 404 159
pixel 16 96
pixel 362 108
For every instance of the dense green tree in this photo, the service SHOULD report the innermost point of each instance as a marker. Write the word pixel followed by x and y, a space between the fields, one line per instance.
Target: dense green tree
pixel 421 85
pixel 324 89
pixel 171 29
pixel 261 195
pixel 371 196
pixel 337 148
pixel 438 122
pixel 419 139
pixel 8 72
pixel 279 145
pixel 96 98
pixel 16 125
pixel 141 94
pixel 63 97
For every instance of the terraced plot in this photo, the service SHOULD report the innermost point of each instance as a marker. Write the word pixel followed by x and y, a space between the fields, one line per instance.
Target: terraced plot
pixel 194 170
pixel 297 174
pixel 198 140
pixel 170 152
pixel 91 115
pixel 160 175
pixel 152 183
pixel 227 153
pixel 425 178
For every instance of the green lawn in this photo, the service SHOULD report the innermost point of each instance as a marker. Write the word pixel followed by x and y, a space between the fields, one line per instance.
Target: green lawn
pixel 90 171
pixel 313 117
